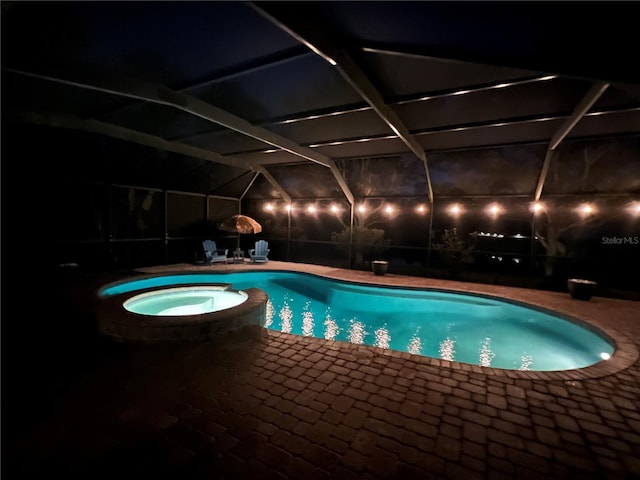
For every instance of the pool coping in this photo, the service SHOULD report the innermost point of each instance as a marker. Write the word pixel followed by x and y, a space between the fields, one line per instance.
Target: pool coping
pixel 626 352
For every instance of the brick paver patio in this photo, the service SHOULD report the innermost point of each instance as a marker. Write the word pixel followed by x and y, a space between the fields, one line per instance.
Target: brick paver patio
pixel 263 404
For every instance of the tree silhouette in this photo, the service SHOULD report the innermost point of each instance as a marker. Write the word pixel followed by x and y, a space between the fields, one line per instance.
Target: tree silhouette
pixel 577 169
pixel 455 252
pixel 367 239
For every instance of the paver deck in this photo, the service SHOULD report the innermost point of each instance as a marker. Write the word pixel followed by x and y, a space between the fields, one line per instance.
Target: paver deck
pixel 264 404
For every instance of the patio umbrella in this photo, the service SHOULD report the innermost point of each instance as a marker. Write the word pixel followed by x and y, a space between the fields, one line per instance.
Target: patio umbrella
pixel 241 224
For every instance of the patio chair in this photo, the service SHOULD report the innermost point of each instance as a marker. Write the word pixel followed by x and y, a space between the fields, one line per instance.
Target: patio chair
pixel 213 254
pixel 260 253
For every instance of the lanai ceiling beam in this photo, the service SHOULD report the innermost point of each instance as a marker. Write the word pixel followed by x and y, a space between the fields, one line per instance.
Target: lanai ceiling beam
pixel 133 136
pixel 140 138
pixel 161 95
pixel 591 97
pixel 274 182
pixel 316 40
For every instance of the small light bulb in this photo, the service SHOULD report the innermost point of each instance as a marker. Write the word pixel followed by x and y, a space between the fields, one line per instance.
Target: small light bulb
pixel 495 209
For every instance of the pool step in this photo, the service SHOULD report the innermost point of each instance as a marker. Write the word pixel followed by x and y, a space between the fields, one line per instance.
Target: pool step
pixel 390 301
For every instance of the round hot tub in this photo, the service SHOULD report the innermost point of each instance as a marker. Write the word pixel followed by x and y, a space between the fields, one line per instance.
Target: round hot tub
pixel 191 312
pixel 185 301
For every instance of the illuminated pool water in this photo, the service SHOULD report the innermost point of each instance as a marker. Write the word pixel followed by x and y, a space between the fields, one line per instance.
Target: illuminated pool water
pixel 467 328
pixel 184 301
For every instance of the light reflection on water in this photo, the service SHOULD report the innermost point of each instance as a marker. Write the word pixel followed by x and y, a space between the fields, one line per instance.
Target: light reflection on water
pixel 486 355
pixel 415 344
pixel 481 332
pixel 446 349
pixel 440 336
pixel 525 362
pixel 356 332
pixel 383 338
pixel 269 314
pixel 286 317
pixel 331 329
pixel 307 320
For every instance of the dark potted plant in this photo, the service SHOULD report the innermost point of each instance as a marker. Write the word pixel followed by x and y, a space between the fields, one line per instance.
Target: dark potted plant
pixel 455 252
pixel 379 267
pixel 367 243
pixel 581 289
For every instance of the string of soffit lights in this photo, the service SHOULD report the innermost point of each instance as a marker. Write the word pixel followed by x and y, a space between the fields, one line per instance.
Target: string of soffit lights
pixel 494 209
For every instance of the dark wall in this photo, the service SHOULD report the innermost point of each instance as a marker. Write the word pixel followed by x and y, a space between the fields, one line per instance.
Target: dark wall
pixel 75 198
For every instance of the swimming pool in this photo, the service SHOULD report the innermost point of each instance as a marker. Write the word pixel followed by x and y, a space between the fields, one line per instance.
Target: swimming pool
pixel 467 328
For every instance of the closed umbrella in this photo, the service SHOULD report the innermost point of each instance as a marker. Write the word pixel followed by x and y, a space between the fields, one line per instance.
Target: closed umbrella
pixel 241 224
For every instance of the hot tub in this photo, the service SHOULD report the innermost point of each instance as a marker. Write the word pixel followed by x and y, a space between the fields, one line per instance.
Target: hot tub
pixel 193 312
pixel 185 301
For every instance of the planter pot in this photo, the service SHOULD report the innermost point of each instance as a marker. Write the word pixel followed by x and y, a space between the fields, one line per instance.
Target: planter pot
pixel 581 289
pixel 379 267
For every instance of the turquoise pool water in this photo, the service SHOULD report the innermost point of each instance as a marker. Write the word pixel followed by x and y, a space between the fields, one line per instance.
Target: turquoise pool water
pixel 452 326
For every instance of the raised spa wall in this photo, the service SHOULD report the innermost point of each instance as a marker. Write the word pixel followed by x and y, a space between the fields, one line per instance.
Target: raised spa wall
pixel 123 326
